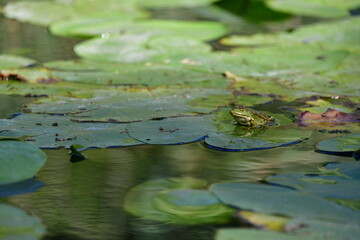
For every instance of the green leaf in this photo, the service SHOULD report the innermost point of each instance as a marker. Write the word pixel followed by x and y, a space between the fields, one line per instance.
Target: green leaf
pixel 324 230
pixel 15 224
pixel 232 137
pixel 324 9
pixel 343 34
pixel 139 201
pixel 173 3
pixel 189 206
pixel 343 145
pixel 47 12
pixel 38 12
pixel 247 234
pixel 59 131
pixel 150 74
pixel 137 48
pixel 348 169
pixel 171 131
pixel 19 161
pixel 325 186
pixel 76 154
pixel 13 61
pixel 138 105
pixel 284 201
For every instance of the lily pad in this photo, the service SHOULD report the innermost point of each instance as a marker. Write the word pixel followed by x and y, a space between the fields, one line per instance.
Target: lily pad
pixel 173 3
pixel 324 230
pixel 137 48
pixel 38 12
pixel 172 130
pixel 232 137
pixel 284 201
pixel 324 9
pixel 189 206
pixel 262 62
pixel 349 169
pixel 19 165
pixel 138 105
pixel 16 224
pixel 325 186
pixel 89 26
pixel 13 61
pixel 48 12
pixel 139 201
pixel 247 234
pixel 148 74
pixel 342 34
pixel 59 131
pixel 343 145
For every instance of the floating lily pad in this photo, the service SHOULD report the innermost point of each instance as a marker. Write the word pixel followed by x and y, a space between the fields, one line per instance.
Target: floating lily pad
pixel 284 201
pixel 172 130
pixel 173 3
pixel 155 74
pixel 47 12
pixel 16 224
pixel 139 201
pixel 38 12
pixel 59 131
pixel 13 61
pixel 131 106
pixel 325 186
pixel 324 230
pixel 324 9
pixel 89 26
pixel 137 48
pixel 232 137
pixel 189 206
pixel 349 169
pixel 257 62
pixel 343 145
pixel 19 161
pixel 22 187
pixel 247 234
pixel 342 34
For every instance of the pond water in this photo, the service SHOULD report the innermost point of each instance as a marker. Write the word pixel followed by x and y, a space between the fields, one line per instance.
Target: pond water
pixel 84 200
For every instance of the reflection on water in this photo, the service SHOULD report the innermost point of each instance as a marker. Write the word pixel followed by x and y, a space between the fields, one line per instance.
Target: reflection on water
pixel 11 104
pixel 84 200
pixel 33 41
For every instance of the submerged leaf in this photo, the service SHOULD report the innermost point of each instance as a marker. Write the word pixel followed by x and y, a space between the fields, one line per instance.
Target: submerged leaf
pixel 160 200
pixel 343 145
pixel 189 206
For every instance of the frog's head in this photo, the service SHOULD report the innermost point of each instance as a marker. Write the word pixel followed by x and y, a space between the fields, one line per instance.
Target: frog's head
pixel 243 116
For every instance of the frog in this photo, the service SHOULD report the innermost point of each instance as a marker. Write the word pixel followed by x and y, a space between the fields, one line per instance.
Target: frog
pixel 251 118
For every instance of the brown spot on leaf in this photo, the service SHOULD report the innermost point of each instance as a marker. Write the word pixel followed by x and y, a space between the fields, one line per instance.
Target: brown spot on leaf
pixel 331 117
pixel 12 77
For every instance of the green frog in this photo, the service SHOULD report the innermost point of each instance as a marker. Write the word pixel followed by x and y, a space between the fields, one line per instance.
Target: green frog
pixel 251 118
